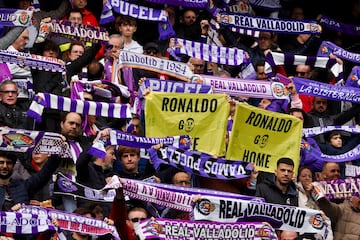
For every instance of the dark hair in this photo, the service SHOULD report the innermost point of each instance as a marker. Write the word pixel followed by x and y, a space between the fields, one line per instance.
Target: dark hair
pixel 292 110
pixel 333 133
pixel 8 155
pixel 50 46
pixel 74 10
pixel 285 160
pixel 83 211
pixel 63 115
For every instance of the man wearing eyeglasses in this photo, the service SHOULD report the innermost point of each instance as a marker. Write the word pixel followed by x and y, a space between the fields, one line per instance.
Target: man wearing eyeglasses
pixel 12 115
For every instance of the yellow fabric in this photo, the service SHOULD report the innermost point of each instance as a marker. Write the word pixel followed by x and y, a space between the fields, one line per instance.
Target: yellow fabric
pixel 202 116
pixel 64 47
pixel 262 137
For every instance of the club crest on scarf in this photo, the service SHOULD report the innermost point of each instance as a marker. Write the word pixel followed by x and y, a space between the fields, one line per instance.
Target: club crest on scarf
pixel 17 140
pixel 66 185
pixel 205 206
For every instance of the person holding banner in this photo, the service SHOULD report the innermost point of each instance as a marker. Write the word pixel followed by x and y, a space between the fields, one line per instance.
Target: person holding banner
pixel 280 189
pixel 345 215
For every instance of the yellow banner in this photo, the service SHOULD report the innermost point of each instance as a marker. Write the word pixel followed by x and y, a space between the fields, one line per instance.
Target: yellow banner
pixel 204 117
pixel 262 137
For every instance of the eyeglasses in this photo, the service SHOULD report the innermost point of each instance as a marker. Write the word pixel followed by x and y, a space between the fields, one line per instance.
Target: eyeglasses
pixel 301 74
pixel 135 220
pixel 151 51
pixel 8 92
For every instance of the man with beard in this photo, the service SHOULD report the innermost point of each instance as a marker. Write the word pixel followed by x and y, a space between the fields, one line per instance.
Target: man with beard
pixel 14 191
pixel 280 189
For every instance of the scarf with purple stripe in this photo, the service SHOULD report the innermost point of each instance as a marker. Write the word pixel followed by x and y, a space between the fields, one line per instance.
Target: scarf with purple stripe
pixel 51 101
pixel 123 139
pixel 340 188
pixel 183 3
pixel 158 85
pixel 338 26
pixel 210 53
pixel 198 230
pixel 135 11
pixel 352 170
pixel 327 47
pixel 100 88
pixel 353 78
pixel 311 154
pixel 25 223
pixel 276 58
pixel 15 17
pixel 79 32
pixel 324 90
pixel 268 24
pixel 199 163
pixel 246 88
pixel 146 189
pixel 33 61
pixel 247 32
pixel 282 217
pixel 20 140
pixel 73 222
pixel 172 68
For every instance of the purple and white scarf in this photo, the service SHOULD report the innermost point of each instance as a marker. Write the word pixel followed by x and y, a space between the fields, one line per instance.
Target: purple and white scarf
pixel 100 88
pixel 73 222
pixel 25 223
pixel 340 188
pixel 353 78
pixel 33 61
pixel 158 85
pixel 172 68
pixel 183 3
pixel 107 15
pixel 20 140
pixel 268 24
pixel 200 163
pixel 312 132
pixel 280 217
pixel 80 32
pixel 247 32
pixel 324 90
pixel 246 88
pixel 210 53
pixel 338 26
pixel 198 230
pixel 276 58
pixel 327 47
pixel 138 11
pixel 145 192
pixel 352 170
pixel 47 100
pixel 15 17
pixel 123 139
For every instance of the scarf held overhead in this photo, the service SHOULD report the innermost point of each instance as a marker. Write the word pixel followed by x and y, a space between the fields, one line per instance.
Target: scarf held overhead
pixel 197 230
pixel 33 61
pixel 200 163
pixel 210 53
pixel 46 100
pixel 280 217
pixel 246 88
pixel 268 24
pixel 15 17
